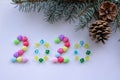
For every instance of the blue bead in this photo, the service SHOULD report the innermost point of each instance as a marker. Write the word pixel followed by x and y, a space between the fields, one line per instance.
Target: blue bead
pixel 36 51
pixel 13 59
pixel 57 55
pixel 42 41
pixel 81 43
pixel 75 52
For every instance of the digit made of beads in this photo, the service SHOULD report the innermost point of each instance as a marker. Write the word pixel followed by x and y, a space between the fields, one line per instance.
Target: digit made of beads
pixel 39 48
pixel 17 56
pixel 58 58
pixel 77 52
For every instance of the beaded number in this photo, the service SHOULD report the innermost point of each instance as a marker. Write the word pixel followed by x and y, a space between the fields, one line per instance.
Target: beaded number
pixel 17 56
pixel 42 45
pixel 58 58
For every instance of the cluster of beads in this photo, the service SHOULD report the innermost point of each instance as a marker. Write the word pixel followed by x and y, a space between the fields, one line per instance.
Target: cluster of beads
pixel 47 51
pixel 17 56
pixel 87 53
pixel 58 57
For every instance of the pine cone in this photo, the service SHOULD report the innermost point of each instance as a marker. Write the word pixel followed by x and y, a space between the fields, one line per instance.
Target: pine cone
pixel 99 31
pixel 108 11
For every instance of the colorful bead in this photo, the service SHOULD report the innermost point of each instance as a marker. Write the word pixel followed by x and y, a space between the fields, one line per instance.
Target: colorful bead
pixel 16 42
pixel 61 37
pixel 20 37
pixel 15 54
pixel 26 43
pixel 13 59
pixel 47 45
pixel 67 44
pixel 20 52
pixel 36 51
pixel 37 45
pixel 36 58
pixel 65 39
pixel 47 51
pixel 66 59
pixel 57 40
pixel 57 55
pixel 60 59
pixel 65 49
pixel 76 46
pixel 24 60
pixel 87 58
pixel 60 50
pixel 19 59
pixel 46 58
pixel 76 52
pixel 24 48
pixel 25 38
pixel 42 41
pixel 54 60
pixel 86 46
pixel 82 60
pixel 41 60
pixel 88 52
pixel 81 43
pixel 76 58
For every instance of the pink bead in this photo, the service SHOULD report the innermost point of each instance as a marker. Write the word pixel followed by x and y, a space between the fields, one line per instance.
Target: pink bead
pixel 26 43
pixel 25 39
pixel 65 39
pixel 20 52
pixel 60 59
pixel 60 50
pixel 24 60
pixel 54 60
pixel 67 44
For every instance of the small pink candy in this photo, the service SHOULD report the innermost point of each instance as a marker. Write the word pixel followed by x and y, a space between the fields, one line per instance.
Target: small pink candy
pixel 24 60
pixel 26 43
pixel 25 39
pixel 60 50
pixel 67 44
pixel 65 39
pixel 54 60
pixel 20 52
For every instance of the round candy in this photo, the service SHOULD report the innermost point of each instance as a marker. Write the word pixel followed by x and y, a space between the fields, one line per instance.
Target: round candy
pixel 41 60
pixel 76 46
pixel 24 60
pixel 82 60
pixel 16 42
pixel 75 52
pixel 47 45
pixel 47 51
pixel 81 43
pixel 87 58
pixel 20 52
pixel 54 60
pixel 67 44
pixel 88 52
pixel 36 58
pixel 37 45
pixel 13 59
pixel 57 55
pixel 19 59
pixel 86 46
pixel 24 48
pixel 60 50
pixel 42 41
pixel 76 58
pixel 25 38
pixel 61 37
pixel 60 59
pixel 26 43
pixel 20 37
pixel 66 59
pixel 57 40
pixel 46 58
pixel 65 49
pixel 36 51
pixel 65 39
pixel 15 54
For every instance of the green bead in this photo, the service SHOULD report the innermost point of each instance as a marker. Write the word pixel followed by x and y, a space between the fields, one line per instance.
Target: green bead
pixel 66 60
pixel 47 51
pixel 88 52
pixel 57 40
pixel 82 60
pixel 41 60
pixel 16 42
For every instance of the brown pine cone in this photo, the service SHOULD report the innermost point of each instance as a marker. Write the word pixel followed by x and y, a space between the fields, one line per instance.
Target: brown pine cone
pixel 108 11
pixel 99 31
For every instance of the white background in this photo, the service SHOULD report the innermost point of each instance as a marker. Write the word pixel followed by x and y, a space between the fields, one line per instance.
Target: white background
pixel 104 63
